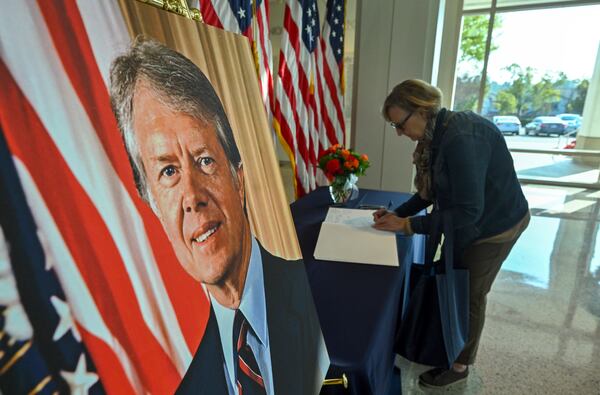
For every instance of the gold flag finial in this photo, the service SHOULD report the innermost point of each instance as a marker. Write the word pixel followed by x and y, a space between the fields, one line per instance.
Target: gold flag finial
pixel 179 7
pixel 341 381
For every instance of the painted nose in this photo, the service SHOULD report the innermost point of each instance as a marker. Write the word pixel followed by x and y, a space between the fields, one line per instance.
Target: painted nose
pixel 194 193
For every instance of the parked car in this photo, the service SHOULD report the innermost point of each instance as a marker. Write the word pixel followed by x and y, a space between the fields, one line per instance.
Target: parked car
pixel 546 126
pixel 507 124
pixel 573 121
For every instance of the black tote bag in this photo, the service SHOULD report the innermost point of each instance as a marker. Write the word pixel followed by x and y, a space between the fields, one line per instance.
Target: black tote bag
pixel 435 315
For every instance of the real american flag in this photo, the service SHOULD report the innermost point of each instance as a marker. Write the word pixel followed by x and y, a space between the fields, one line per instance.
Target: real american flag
pixel 309 88
pixel 251 19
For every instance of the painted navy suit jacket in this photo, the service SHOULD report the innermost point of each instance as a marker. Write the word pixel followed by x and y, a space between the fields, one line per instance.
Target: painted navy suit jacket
pixel 295 336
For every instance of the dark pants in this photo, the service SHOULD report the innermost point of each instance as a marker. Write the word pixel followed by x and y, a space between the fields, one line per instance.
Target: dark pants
pixel 484 259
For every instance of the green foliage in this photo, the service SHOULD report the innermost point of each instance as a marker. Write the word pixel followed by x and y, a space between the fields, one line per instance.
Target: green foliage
pixel 543 95
pixel 467 92
pixel 575 105
pixel 527 98
pixel 472 48
pixel 520 88
pixel 505 103
pixel 473 38
pixel 526 95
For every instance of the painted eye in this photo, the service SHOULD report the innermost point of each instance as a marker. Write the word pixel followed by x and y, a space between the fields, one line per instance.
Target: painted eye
pixel 207 164
pixel 168 171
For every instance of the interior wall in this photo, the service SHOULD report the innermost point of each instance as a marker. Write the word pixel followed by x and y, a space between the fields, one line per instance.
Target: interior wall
pixel 394 41
pixel 451 17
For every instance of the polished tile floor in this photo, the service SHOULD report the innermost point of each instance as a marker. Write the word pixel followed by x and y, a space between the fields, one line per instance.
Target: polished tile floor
pixel 542 332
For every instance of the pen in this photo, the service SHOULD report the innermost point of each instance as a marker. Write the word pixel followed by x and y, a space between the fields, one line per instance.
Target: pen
pixel 370 207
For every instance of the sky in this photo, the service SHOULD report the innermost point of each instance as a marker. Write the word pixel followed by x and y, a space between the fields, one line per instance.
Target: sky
pixel 549 40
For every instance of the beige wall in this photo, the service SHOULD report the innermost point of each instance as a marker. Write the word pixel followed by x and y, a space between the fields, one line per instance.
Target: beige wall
pixel 394 41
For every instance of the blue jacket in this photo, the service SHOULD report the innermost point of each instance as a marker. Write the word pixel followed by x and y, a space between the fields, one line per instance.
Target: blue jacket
pixel 473 177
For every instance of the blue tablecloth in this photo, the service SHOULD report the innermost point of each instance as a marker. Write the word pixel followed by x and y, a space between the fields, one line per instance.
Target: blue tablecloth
pixel 358 305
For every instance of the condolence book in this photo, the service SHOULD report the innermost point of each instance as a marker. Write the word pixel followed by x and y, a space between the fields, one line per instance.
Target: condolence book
pixel 347 235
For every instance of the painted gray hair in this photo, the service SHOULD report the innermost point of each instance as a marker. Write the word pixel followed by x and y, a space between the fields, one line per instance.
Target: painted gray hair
pixel 179 84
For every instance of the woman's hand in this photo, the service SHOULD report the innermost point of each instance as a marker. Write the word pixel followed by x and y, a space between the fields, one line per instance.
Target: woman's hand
pixel 381 213
pixel 391 223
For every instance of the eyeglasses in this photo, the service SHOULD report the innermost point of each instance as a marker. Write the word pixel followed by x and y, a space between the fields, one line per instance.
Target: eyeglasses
pixel 403 123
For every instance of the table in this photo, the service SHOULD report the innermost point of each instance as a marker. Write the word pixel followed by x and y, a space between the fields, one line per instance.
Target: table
pixel 358 305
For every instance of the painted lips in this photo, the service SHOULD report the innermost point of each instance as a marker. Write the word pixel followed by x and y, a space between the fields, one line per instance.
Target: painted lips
pixel 204 236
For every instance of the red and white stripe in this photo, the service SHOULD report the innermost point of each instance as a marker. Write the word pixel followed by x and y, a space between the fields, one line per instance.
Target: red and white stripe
pixel 133 302
pixel 291 108
pixel 333 97
pixel 308 100
pixel 89 318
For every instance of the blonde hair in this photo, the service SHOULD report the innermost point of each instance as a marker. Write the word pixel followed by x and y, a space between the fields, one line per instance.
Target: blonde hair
pixel 412 95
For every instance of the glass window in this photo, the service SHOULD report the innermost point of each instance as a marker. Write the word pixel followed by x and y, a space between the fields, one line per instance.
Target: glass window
pixel 470 61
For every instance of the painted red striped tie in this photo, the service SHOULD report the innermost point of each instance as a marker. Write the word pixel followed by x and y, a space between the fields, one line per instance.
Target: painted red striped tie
pixel 249 379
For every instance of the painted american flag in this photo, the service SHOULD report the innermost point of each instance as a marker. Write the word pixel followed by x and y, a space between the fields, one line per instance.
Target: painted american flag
pixel 251 19
pixel 308 92
pixel 94 298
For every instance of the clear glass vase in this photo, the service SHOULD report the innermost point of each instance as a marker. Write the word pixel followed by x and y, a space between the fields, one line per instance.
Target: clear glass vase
pixel 343 188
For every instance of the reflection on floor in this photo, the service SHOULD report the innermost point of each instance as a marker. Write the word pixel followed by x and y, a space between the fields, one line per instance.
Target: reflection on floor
pixel 555 167
pixel 542 333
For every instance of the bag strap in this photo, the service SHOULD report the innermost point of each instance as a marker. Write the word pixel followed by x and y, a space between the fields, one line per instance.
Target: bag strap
pixel 441 224
pixel 448 241
pixel 433 239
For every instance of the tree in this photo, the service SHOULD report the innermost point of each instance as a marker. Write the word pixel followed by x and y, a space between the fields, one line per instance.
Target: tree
pixel 531 98
pixel 575 105
pixel 505 102
pixel 466 93
pixel 544 95
pixel 474 35
pixel 520 87
pixel 561 81
pixel 472 49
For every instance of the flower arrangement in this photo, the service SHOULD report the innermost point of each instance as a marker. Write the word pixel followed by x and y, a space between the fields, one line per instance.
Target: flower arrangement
pixel 339 161
pixel 342 167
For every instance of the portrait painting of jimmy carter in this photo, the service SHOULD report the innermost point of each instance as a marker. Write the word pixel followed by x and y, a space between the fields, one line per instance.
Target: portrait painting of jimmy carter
pixel 263 334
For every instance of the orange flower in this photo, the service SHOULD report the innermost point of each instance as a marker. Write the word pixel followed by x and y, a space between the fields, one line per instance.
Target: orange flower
pixel 364 157
pixel 348 165
pixel 345 154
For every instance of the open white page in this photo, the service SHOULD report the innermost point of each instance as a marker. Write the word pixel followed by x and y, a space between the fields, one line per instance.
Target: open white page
pixel 347 235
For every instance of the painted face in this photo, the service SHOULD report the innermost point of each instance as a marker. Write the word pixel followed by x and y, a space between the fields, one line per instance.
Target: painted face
pixel 197 198
pixel 409 124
